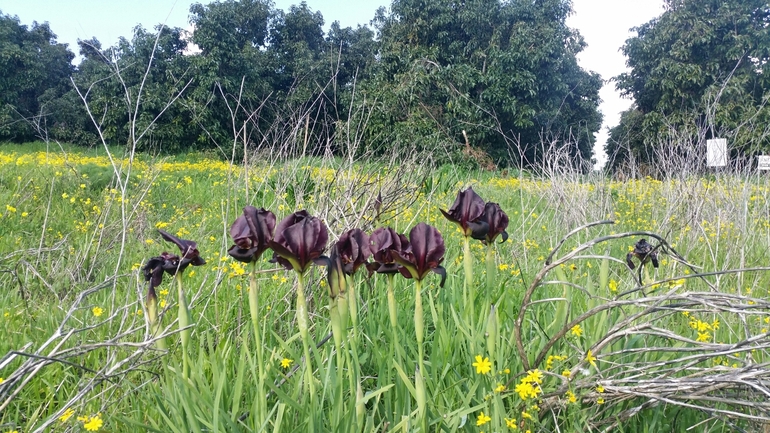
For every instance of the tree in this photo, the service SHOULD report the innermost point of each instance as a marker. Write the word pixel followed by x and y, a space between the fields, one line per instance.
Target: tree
pixel 699 70
pixel 498 70
pixel 130 89
pixel 35 72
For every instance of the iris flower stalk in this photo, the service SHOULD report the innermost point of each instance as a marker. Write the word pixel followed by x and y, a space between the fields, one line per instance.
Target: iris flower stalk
pixel 352 250
pixel 251 233
pixel 189 255
pixel 496 222
pixel 385 243
pixel 466 212
pixel 423 254
pixel 299 242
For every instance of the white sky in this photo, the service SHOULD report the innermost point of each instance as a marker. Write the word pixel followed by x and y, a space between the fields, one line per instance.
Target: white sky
pixel 604 24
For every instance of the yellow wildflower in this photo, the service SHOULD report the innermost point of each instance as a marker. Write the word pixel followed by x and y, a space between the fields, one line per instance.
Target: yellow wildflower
pixel 511 423
pixel 591 358
pixel 613 285
pixel 577 331
pixel 94 424
pixel 566 373
pixel 67 415
pixel 98 311
pixel 571 397
pixel 286 362
pixel 483 366
pixel 500 387
pixel 482 419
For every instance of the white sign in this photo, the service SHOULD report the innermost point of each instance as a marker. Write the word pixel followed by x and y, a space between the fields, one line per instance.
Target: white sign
pixel 716 152
pixel 763 162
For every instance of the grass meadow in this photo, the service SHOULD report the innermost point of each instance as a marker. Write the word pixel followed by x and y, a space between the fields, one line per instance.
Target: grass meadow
pixel 547 331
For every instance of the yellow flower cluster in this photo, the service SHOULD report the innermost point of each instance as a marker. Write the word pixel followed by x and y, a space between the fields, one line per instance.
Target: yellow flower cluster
pixel 703 329
pixel 529 386
pixel 551 358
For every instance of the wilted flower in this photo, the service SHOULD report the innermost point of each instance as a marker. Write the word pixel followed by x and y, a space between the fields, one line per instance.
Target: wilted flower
pixel 299 241
pixel 495 221
pixel 384 242
pixel 424 253
pixel 153 270
pixel 644 252
pixel 251 233
pixel 466 211
pixel 189 253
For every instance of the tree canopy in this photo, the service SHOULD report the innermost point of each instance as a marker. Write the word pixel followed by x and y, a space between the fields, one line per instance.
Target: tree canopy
pixel 700 70
pixel 505 72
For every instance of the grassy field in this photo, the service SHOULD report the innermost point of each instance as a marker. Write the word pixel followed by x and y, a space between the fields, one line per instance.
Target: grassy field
pixel 547 331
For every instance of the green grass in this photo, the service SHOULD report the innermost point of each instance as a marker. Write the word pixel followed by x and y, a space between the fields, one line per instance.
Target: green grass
pixel 73 237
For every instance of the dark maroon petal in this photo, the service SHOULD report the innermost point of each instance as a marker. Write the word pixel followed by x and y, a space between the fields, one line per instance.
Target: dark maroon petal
pixel 261 223
pixel 497 220
pixel 321 234
pixel 289 221
pixel 171 262
pixel 427 247
pixel 450 217
pixel 153 272
pixel 189 249
pixel 405 272
pixel 281 261
pixel 242 255
pixel 468 206
pixel 300 237
pixel 241 233
pixel 384 241
pixel 353 249
pixel 479 229
pixel 251 232
pixel 442 272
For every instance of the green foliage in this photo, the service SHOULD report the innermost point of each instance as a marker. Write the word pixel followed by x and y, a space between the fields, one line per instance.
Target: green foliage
pixel 36 71
pixel 63 230
pixel 700 70
pixel 503 71
pixel 506 72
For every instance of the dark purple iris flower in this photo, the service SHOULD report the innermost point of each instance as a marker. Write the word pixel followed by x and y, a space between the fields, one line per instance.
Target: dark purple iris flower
pixel 466 211
pixel 300 240
pixel 251 233
pixel 496 222
pixel 384 242
pixel 353 250
pixel 424 253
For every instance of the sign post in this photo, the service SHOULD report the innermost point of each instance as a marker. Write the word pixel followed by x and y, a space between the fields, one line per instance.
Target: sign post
pixel 763 162
pixel 716 152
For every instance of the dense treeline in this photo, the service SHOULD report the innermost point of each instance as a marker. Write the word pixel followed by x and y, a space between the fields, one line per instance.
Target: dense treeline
pixel 425 71
pixel 698 71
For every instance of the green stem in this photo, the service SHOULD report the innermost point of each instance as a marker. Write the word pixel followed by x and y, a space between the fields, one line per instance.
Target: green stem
pixel 353 306
pixel 418 321
pixel 419 382
pixel 393 312
pixel 302 324
pixel 491 270
pixel 468 267
pixel 184 322
pixel 154 321
pixel 254 310
pixel 355 367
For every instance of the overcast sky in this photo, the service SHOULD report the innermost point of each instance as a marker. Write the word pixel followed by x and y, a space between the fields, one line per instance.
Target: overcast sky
pixel 604 24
